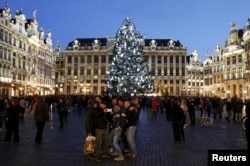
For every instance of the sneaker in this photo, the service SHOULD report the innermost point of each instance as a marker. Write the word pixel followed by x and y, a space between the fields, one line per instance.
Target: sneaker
pixel 114 154
pixel 119 158
pixel 5 142
pixel 105 156
pixel 97 159
pixel 91 156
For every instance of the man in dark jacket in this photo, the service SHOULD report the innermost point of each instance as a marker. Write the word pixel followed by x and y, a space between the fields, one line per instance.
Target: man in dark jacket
pixel 41 115
pixel 62 111
pixel 89 117
pixel 101 146
pixel 177 122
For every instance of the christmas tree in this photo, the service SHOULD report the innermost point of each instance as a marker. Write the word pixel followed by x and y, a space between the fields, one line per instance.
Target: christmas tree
pixel 129 72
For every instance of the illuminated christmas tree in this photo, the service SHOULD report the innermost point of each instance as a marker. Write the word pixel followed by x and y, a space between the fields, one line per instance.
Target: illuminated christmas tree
pixel 129 72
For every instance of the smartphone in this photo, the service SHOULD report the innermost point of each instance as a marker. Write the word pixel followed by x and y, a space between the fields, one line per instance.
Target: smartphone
pixel 109 110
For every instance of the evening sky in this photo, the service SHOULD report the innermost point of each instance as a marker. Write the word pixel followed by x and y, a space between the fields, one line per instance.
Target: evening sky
pixel 197 24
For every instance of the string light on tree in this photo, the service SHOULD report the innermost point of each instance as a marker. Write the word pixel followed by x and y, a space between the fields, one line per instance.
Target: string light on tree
pixel 129 72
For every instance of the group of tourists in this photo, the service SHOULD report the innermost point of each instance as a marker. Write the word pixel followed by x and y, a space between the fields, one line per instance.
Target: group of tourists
pixel 113 122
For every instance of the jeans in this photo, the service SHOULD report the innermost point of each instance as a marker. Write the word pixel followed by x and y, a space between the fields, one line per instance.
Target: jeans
pixel 114 138
pixel 130 133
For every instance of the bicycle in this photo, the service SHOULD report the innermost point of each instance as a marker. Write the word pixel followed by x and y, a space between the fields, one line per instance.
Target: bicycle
pixel 206 121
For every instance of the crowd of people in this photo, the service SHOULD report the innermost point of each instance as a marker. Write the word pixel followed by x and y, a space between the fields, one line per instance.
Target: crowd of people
pixel 113 120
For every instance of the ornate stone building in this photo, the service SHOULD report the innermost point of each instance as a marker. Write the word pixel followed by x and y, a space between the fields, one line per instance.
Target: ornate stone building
pixel 167 60
pixel 246 44
pixel 26 56
pixel 194 75
pixel 234 63
pixel 86 61
pixel 230 66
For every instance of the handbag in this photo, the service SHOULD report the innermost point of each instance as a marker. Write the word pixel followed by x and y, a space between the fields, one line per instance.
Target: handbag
pixel 89 145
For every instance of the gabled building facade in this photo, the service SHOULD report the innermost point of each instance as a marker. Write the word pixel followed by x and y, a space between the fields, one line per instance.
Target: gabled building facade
pixel 230 66
pixel 26 56
pixel 194 75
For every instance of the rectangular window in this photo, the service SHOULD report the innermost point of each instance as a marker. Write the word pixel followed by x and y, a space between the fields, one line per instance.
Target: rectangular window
pixel 165 70
pixel 69 70
pixel 96 70
pixel 165 59
pixel 89 71
pixel 103 70
pixel 82 59
pixel 171 71
pixel 96 59
pixel 153 59
pixel 89 59
pixel 82 70
pixel 103 59
pixel 159 71
pixel 234 59
pixel 75 70
pixel 69 59
pixel 75 60
pixel 240 59
pixel 177 59
pixel 177 71
pixel 159 59
pixel 171 59
pixel 183 58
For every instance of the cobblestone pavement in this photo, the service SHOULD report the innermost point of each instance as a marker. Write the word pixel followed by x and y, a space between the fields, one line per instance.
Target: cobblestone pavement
pixel 154 140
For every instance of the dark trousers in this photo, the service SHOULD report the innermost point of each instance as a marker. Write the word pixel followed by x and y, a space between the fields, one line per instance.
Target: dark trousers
pixel 124 139
pixel 12 127
pixel 39 127
pixel 61 118
pixel 22 110
pixel 102 141
pixel 192 118
pixel 154 115
pixel 177 128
